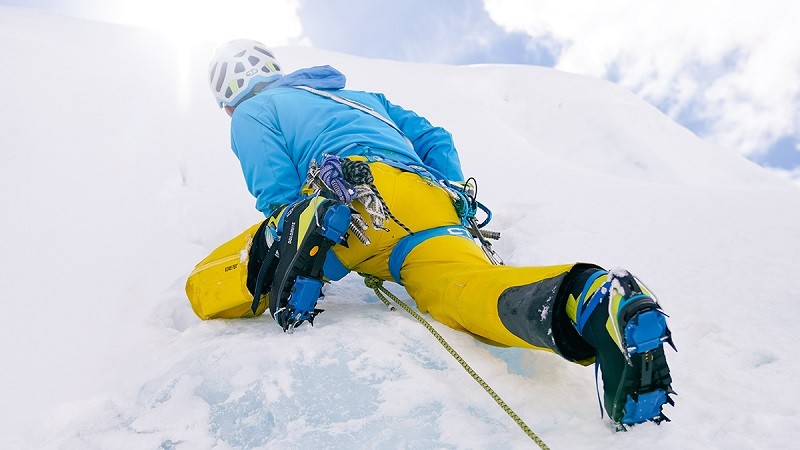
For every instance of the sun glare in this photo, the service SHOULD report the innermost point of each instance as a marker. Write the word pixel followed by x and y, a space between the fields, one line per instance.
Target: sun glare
pixel 189 23
pixel 273 22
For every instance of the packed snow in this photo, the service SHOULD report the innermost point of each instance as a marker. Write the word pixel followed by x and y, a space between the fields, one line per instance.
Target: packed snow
pixel 117 179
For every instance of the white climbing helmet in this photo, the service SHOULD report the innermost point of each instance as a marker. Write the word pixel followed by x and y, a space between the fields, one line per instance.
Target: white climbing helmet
pixel 238 68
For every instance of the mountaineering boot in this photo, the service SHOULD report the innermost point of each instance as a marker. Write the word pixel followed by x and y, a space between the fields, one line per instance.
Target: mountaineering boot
pixel 621 319
pixel 308 229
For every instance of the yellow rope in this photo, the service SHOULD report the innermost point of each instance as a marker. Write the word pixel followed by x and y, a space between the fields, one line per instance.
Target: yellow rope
pixel 377 284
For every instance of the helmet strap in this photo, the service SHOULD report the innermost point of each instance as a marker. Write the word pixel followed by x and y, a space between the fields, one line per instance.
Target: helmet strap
pixel 256 90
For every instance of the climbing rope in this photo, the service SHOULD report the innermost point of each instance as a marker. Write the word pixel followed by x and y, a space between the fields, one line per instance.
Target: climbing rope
pixel 359 173
pixel 377 284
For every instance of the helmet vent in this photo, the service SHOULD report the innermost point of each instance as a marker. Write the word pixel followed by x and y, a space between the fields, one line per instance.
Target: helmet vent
pixel 221 78
pixel 228 93
pixel 240 54
pixel 253 60
pixel 213 70
pixel 266 52
pixel 240 82
pixel 239 68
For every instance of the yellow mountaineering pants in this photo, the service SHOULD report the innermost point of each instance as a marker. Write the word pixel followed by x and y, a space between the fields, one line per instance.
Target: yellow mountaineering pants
pixel 447 275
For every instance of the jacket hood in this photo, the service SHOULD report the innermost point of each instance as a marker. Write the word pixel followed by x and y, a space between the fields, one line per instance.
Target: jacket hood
pixel 318 77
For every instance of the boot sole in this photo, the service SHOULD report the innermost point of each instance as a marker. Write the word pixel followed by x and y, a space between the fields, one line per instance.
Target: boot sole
pixel 646 379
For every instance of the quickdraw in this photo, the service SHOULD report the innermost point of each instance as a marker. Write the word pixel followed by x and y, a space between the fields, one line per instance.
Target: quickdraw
pixel 467 206
pixel 349 181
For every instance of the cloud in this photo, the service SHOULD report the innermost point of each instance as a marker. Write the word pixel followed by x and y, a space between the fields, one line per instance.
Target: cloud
pixel 732 67
pixel 417 30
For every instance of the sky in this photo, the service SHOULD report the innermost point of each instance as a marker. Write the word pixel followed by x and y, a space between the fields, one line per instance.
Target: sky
pixel 727 70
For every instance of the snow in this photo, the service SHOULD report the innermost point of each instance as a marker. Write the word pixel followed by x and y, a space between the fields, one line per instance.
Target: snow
pixel 117 178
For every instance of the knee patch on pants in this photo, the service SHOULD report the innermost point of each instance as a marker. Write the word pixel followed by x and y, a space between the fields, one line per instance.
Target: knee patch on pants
pixel 217 287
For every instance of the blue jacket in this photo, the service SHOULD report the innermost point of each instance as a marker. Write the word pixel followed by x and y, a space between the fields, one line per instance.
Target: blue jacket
pixel 277 133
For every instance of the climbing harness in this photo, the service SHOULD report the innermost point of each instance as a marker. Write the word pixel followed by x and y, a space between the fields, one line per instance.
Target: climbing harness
pixel 348 181
pixel 359 174
pixel 467 206
pixel 376 284
pixel 464 198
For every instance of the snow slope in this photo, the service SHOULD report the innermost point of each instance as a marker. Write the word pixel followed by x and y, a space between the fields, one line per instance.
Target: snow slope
pixel 117 178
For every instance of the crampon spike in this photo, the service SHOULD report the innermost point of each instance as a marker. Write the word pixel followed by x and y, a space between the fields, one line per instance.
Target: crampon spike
pixel 670 342
pixel 661 418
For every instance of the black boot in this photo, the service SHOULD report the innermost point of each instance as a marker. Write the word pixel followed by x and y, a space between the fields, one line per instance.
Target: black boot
pixel 626 326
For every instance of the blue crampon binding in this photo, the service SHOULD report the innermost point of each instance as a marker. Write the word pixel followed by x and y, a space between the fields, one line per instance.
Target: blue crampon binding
pixel 305 293
pixel 646 332
pixel 335 222
pixel 647 407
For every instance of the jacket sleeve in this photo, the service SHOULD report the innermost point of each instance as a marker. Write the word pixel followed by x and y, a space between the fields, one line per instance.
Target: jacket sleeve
pixel 269 172
pixel 434 145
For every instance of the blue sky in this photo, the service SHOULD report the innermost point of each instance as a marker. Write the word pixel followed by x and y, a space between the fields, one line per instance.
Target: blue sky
pixel 727 70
